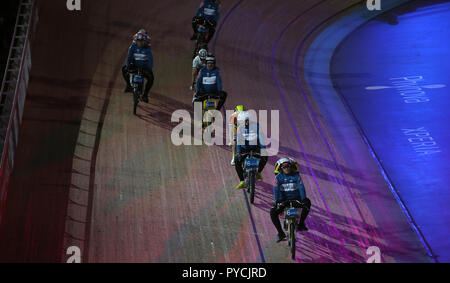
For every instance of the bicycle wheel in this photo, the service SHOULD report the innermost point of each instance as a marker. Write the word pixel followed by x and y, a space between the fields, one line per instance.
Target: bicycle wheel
pixel 136 102
pixel 251 181
pixel 292 240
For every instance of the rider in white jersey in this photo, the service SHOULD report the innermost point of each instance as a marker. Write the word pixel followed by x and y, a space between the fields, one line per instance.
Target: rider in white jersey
pixel 198 63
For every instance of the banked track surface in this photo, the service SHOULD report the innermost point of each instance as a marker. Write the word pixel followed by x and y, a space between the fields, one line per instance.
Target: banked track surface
pixel 115 186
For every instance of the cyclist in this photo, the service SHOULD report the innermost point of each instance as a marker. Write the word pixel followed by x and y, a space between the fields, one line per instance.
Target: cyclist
pixel 233 129
pixel 288 187
pixel 208 12
pixel 198 63
pixel 140 55
pixel 210 82
pixel 249 138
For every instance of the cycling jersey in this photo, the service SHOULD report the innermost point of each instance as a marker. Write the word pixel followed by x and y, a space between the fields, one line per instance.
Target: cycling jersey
pixel 141 57
pixel 197 63
pixel 288 187
pixel 209 81
pixel 249 138
pixel 208 10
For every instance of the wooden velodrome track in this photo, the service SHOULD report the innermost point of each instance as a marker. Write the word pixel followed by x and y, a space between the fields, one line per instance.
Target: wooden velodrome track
pixel 90 174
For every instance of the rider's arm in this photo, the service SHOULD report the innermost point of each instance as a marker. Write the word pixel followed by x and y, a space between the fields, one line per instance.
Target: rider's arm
pixel 199 12
pixel 219 82
pixel 194 69
pixel 239 139
pixel 198 85
pixel 130 55
pixel 261 140
pixel 217 17
pixel 301 188
pixel 231 126
pixel 276 191
pixel 194 75
pixel 150 58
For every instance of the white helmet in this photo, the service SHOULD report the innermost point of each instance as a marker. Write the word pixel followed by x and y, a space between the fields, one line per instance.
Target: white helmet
pixel 284 160
pixel 243 116
pixel 202 54
pixel 288 160
pixel 247 115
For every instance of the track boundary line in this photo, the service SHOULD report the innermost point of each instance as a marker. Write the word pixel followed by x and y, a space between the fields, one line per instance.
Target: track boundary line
pixel 363 135
pixel 388 180
pixel 94 160
pixel 275 47
pixel 302 91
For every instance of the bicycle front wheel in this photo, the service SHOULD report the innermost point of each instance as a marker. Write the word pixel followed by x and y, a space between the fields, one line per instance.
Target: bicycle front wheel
pixel 251 181
pixel 136 102
pixel 292 240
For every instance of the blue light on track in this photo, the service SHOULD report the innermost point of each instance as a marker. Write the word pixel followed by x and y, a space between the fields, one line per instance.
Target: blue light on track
pixel 396 80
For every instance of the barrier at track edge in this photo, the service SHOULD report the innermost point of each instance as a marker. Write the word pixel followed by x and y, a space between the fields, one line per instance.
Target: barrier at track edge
pixel 13 92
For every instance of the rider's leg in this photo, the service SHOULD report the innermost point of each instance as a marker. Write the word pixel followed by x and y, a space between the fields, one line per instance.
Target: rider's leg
pixel 211 33
pixel 126 77
pixel 274 216
pixel 212 30
pixel 240 172
pixel 238 159
pixel 305 211
pixel 195 21
pixel 262 163
pixel 233 143
pixel 234 146
pixel 148 86
pixel 198 97
pixel 222 97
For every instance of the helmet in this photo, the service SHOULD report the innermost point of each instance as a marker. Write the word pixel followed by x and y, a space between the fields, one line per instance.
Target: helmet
pixel 202 54
pixel 141 36
pixel 239 108
pixel 210 58
pixel 282 161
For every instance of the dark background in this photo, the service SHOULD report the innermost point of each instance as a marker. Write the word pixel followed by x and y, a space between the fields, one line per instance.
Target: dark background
pixel 8 12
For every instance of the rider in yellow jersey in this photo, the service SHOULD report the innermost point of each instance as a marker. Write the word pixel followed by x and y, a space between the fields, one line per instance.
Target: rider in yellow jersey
pixel 233 132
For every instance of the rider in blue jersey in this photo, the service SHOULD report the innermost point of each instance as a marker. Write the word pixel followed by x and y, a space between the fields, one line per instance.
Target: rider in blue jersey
pixel 140 56
pixel 248 138
pixel 288 186
pixel 209 82
pixel 208 12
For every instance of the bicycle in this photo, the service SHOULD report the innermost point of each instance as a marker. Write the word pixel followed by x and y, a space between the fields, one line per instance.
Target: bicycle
pixel 291 215
pixel 137 83
pixel 250 166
